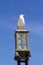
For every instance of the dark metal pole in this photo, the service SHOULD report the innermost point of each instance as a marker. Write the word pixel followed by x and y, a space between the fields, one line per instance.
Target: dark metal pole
pixel 26 62
pixel 18 62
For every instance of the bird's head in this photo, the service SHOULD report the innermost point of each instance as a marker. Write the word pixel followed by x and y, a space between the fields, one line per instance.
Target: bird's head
pixel 22 15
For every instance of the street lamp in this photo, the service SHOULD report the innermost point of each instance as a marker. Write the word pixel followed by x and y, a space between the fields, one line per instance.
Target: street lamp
pixel 22 50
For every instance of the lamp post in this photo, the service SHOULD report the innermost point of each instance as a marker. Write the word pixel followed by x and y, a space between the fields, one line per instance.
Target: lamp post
pixel 22 50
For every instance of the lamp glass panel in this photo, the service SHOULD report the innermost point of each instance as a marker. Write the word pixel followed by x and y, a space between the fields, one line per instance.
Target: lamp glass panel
pixel 19 46
pixel 23 35
pixel 21 40
pixel 24 40
pixel 19 35
pixel 24 46
pixel 19 43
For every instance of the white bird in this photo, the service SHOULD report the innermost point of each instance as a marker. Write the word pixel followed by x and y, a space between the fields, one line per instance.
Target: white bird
pixel 21 22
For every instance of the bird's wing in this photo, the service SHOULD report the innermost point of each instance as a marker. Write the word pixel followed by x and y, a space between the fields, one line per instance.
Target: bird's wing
pixel 20 22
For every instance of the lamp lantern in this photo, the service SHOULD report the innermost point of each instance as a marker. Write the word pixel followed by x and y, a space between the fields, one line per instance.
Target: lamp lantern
pixel 22 50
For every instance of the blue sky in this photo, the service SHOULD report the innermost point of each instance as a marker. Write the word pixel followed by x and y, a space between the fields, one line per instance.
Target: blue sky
pixel 9 12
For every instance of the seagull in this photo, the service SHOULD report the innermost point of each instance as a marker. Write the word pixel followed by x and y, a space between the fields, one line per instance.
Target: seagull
pixel 21 22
